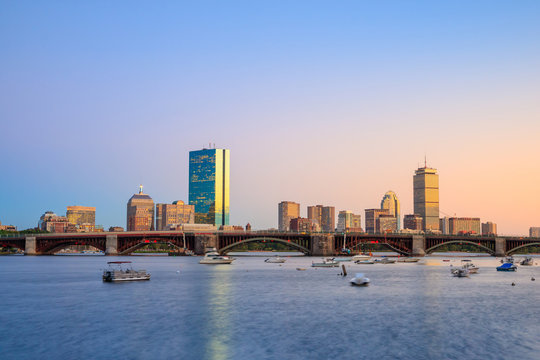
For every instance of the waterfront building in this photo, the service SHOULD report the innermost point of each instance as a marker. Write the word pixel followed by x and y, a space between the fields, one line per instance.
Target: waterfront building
pixel 53 223
pixel 303 225
pixel 489 228
pixel 325 216
pixel 386 224
pixel 464 225
pixel 287 210
pixel 140 212
pixel 444 225
pixel 82 217
pixel 534 232
pixel 349 222
pixel 116 229
pixel 7 227
pixel 413 222
pixel 426 197
pixel 391 203
pixel 371 219
pixel 209 185
pixel 176 213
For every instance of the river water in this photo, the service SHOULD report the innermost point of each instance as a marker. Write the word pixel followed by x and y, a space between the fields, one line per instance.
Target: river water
pixel 57 307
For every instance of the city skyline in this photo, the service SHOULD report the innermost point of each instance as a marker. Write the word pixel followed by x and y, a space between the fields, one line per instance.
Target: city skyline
pixel 302 100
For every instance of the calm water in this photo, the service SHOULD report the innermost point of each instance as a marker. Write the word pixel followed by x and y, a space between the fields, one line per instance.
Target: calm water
pixel 58 308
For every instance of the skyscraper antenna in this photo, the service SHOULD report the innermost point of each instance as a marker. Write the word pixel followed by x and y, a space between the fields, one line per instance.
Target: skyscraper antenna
pixel 425 161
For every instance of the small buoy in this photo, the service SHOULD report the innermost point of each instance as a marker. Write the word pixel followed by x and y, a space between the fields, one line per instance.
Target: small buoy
pixel 532 279
pixel 513 284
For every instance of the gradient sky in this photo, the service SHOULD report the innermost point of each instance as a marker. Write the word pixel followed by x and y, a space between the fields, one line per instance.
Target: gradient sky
pixel 320 102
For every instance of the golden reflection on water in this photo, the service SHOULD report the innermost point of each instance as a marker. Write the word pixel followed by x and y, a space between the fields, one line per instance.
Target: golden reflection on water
pixel 219 309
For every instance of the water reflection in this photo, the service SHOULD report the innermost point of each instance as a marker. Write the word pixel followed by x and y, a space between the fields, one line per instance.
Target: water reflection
pixel 219 327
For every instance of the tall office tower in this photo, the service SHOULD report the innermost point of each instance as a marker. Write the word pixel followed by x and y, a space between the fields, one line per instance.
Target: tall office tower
pixel 287 210
pixel 325 216
pixel 534 232
pixel 140 212
pixel 413 222
pixel 489 228
pixel 83 217
pixel 464 225
pixel 426 197
pixel 371 219
pixel 347 221
pixel 176 213
pixel 391 203
pixel 209 185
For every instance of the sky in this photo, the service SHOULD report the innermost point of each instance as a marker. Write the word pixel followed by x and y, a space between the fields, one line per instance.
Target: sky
pixel 319 102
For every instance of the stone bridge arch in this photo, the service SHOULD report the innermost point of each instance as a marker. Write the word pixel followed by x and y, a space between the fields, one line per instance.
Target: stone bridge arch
pixel 386 244
pixel 522 246
pixel 480 246
pixel 289 243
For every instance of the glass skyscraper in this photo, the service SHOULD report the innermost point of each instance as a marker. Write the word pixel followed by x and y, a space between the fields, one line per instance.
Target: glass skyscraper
pixel 209 185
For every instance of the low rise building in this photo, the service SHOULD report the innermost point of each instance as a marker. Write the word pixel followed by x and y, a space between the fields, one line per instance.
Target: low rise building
pixel 413 222
pixel 7 227
pixel 55 224
pixel 489 229
pixel 116 229
pixel 386 224
pixel 534 232
pixel 349 222
pixel 464 225
pixel 302 225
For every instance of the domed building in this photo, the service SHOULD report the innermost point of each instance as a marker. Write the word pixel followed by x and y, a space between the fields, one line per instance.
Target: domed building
pixel 140 212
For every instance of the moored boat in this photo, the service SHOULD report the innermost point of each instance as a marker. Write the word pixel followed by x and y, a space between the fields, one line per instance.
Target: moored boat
pixel 460 272
pixel 359 280
pixel 275 260
pixel 328 262
pixel 119 272
pixel 365 262
pixel 408 260
pixel 213 257
pixel 360 257
pixel 507 267
pixel 385 261
pixel 528 261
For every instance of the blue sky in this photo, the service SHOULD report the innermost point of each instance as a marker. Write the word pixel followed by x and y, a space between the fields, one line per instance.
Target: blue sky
pixel 320 102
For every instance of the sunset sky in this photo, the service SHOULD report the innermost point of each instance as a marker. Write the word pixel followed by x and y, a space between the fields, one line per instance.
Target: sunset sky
pixel 319 102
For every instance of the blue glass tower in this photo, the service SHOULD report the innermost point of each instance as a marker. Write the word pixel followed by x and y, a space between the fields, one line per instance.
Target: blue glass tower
pixel 209 185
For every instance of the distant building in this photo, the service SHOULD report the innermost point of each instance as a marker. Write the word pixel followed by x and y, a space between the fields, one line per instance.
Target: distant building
pixel 426 197
pixel 82 217
pixel 444 225
pixel 248 227
pixel 209 185
pixel 413 222
pixel 386 224
pixel 325 216
pixel 390 202
pixel 371 219
pixel 54 224
pixel 116 229
pixel 140 212
pixel 349 222
pixel 534 232
pixel 7 227
pixel 175 213
pixel 464 225
pixel 302 225
pixel 489 228
pixel 287 210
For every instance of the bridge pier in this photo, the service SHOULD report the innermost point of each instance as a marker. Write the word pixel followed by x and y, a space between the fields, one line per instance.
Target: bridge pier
pixel 322 245
pixel 500 247
pixel 30 245
pixel 419 245
pixel 203 241
pixel 111 245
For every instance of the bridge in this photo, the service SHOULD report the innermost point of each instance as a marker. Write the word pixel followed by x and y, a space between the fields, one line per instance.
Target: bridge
pixel 315 244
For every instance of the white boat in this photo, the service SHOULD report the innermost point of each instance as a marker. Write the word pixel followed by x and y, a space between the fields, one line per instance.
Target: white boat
pixel 275 260
pixel 508 259
pixel 385 261
pixel 460 272
pixel 328 262
pixel 360 257
pixel 359 280
pixel 213 257
pixel 119 272
pixel 408 260
pixel 528 261
pixel 365 262
pixel 473 269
